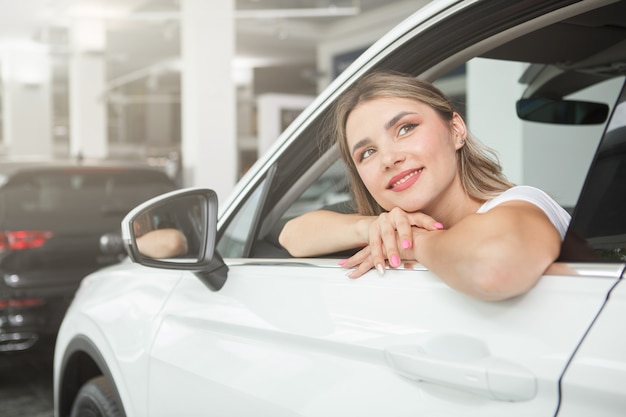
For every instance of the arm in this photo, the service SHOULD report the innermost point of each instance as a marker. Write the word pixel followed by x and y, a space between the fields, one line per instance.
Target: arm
pixel 496 255
pixel 162 243
pixel 321 232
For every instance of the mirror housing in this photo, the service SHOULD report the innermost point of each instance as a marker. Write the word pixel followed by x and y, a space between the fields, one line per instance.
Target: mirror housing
pixel 558 111
pixel 177 230
pixel 111 244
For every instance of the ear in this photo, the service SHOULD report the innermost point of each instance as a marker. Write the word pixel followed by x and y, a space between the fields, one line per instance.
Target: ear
pixel 459 130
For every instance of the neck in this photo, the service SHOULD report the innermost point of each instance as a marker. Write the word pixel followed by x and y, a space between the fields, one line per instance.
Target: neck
pixel 454 206
pixel 452 214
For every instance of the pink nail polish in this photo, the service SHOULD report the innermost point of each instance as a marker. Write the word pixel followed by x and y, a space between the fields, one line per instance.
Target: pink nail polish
pixel 395 261
pixel 438 226
pixel 342 262
pixel 406 244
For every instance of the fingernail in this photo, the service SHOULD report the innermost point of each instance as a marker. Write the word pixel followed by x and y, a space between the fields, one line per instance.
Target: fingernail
pixel 406 244
pixel 380 269
pixel 394 261
pixel 342 262
pixel 438 226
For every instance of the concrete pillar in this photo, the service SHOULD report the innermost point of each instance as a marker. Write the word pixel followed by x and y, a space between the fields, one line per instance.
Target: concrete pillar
pixel 88 110
pixel 26 101
pixel 209 139
pixel 275 112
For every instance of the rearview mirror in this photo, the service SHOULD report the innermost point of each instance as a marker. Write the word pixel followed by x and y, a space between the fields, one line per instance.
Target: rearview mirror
pixel 566 112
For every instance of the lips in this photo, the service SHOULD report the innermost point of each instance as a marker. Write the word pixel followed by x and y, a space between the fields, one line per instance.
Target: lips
pixel 404 180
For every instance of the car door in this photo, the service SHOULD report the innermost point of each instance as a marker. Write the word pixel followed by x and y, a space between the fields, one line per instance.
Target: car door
pixel 299 338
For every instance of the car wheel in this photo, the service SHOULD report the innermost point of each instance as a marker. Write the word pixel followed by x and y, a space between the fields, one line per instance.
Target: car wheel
pixel 95 399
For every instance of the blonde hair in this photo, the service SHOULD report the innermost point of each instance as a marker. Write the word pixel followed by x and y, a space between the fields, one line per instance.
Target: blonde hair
pixel 479 169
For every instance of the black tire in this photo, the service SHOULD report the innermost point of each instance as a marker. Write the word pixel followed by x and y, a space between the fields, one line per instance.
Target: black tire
pixel 96 399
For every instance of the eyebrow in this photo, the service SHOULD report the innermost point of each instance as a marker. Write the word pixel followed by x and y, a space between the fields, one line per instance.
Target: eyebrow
pixel 360 144
pixel 388 126
pixel 395 119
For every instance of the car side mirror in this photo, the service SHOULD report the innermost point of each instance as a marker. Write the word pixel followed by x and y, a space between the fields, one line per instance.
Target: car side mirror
pixel 112 244
pixel 566 112
pixel 177 230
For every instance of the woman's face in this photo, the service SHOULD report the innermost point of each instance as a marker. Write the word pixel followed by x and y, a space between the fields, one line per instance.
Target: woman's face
pixel 405 153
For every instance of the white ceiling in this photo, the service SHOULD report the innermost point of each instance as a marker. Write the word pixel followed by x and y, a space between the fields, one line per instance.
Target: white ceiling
pixel 145 33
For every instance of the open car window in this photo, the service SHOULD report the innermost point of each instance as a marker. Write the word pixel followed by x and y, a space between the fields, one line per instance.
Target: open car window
pixel 550 156
pixel 553 153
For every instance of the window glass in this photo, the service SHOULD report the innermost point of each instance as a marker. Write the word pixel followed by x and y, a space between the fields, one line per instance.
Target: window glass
pixel 232 243
pixel 330 190
pixel 598 229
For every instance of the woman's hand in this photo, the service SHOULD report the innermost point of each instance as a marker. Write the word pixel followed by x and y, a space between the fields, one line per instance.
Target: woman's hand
pixel 390 237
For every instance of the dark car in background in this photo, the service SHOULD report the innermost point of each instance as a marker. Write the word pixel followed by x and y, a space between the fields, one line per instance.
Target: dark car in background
pixel 57 221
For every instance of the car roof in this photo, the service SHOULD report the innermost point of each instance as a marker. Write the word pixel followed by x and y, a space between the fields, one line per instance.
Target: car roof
pixel 12 168
pixel 597 39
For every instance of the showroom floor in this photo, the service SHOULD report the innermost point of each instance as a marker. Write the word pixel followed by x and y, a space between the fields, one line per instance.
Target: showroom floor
pixel 26 385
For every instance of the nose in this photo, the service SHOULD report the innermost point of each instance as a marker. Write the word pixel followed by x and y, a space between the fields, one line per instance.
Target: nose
pixel 391 157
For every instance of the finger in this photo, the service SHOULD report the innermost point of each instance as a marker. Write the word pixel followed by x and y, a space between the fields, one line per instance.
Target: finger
pixel 377 243
pixel 360 270
pixel 356 259
pixel 404 235
pixel 389 227
pixel 377 261
pixel 424 221
pixel 409 265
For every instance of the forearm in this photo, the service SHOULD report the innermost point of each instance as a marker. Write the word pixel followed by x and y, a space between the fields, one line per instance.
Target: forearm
pixel 323 232
pixel 162 243
pixel 486 259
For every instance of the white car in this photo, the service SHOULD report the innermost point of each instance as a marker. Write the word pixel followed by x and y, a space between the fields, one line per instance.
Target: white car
pixel 238 328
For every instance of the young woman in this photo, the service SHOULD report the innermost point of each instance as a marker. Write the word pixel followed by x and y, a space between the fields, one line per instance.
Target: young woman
pixel 426 191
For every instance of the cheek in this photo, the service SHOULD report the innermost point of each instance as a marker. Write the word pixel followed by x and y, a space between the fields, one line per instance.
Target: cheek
pixel 443 150
pixel 368 177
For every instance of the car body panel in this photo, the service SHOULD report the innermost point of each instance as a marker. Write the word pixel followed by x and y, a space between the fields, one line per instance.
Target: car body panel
pixel 228 349
pixel 127 303
pixel 595 381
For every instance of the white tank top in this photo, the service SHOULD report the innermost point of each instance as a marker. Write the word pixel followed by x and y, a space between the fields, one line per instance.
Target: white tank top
pixel 559 217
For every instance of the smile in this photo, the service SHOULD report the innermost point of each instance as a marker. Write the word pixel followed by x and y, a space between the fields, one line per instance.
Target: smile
pixel 396 182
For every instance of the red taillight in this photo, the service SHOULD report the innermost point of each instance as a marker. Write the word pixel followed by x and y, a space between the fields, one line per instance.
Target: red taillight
pixel 23 239
pixel 21 302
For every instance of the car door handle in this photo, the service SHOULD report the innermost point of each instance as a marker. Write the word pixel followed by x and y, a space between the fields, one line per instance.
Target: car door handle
pixel 463 363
